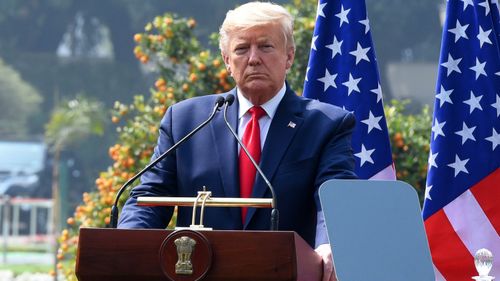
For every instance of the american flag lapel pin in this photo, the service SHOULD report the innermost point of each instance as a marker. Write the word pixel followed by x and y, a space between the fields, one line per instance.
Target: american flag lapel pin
pixel 291 125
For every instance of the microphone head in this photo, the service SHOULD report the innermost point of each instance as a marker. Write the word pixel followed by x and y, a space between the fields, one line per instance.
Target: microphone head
pixel 230 99
pixel 220 101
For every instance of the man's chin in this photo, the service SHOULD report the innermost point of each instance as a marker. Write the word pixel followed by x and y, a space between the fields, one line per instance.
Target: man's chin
pixel 256 87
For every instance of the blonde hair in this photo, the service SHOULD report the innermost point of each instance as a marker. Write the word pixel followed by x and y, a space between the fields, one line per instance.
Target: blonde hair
pixel 255 14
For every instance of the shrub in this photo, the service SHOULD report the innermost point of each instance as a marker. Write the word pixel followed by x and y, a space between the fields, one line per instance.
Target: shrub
pixel 410 138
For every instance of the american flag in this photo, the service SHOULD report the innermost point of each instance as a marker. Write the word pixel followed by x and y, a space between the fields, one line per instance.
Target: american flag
pixel 343 71
pixel 462 199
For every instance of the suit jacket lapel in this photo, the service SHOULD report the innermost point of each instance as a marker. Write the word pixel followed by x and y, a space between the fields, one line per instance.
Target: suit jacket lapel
pixel 226 149
pixel 285 124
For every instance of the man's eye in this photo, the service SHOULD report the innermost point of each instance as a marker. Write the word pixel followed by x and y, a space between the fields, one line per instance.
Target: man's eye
pixel 240 50
pixel 267 47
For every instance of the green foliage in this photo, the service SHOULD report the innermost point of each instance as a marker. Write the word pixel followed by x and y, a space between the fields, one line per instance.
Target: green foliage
pixel 410 138
pixel 18 101
pixel 304 13
pixel 59 79
pixel 73 121
pixel 185 69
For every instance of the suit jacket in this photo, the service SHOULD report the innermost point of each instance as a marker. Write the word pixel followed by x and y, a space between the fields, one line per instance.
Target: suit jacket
pixel 297 159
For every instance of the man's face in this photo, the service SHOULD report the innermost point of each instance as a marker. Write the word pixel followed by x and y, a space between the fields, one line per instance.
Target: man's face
pixel 258 59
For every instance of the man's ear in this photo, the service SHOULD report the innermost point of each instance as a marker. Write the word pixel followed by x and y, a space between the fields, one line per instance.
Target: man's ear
pixel 225 58
pixel 290 56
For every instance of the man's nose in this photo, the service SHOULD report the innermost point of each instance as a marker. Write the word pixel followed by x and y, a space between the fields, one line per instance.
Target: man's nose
pixel 254 56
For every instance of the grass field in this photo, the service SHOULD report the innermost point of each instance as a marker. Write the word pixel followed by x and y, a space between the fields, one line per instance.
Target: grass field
pixel 26 268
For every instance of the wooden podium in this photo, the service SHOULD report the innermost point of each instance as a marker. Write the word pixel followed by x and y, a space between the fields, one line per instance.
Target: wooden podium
pixel 118 254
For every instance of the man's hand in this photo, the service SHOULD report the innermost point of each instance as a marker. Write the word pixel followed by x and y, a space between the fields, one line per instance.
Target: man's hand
pixel 325 252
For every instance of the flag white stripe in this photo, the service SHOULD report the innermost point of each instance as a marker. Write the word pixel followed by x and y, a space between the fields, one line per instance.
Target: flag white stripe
pixel 386 174
pixel 473 227
pixel 438 275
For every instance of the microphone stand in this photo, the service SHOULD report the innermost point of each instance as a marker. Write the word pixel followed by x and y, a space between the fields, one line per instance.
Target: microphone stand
pixel 114 209
pixel 274 213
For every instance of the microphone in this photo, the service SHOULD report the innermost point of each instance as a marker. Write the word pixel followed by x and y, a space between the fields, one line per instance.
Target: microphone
pixel 274 213
pixel 114 209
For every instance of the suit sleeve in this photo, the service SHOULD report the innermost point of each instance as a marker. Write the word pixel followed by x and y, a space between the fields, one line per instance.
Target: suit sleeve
pixel 336 162
pixel 161 180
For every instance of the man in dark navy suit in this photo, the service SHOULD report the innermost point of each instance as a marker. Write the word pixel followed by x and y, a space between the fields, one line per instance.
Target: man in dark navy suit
pixel 298 143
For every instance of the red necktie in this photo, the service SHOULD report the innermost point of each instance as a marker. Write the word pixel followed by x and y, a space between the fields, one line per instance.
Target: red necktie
pixel 251 139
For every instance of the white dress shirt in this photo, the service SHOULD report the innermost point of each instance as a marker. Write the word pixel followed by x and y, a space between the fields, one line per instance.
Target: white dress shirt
pixel 269 107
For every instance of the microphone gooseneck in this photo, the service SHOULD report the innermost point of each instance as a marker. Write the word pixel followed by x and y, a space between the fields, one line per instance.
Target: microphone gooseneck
pixel 114 209
pixel 274 213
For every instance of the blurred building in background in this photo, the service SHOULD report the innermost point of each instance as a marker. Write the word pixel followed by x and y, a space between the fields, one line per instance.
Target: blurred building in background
pixel 22 167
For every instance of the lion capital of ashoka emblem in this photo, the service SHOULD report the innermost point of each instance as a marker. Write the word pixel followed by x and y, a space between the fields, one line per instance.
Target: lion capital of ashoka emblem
pixel 185 247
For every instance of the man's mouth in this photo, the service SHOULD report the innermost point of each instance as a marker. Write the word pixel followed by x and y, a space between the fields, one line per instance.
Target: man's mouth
pixel 255 75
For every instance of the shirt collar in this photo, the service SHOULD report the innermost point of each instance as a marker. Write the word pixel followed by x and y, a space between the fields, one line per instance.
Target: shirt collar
pixel 269 107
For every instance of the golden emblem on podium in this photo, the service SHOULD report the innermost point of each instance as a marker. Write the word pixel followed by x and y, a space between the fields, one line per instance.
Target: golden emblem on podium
pixel 185 255
pixel 185 247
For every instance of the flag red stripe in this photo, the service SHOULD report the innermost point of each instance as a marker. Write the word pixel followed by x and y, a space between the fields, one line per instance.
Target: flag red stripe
pixel 487 193
pixel 449 254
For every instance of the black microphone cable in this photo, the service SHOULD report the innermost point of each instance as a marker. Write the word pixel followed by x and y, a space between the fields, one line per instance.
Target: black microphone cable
pixel 114 209
pixel 274 213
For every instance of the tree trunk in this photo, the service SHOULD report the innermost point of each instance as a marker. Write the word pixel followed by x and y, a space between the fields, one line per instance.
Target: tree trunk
pixel 55 206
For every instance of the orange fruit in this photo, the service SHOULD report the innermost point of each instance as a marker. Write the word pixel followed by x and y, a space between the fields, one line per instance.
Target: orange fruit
pixel 160 82
pixel 193 77
pixel 144 59
pixel 223 74
pixel 191 23
pixel 202 67
pixel 169 33
pixel 397 137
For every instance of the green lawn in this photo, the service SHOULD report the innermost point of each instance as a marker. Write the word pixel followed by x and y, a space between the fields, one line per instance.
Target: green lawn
pixel 28 248
pixel 31 268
